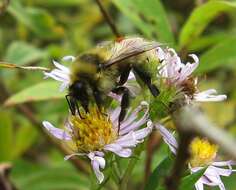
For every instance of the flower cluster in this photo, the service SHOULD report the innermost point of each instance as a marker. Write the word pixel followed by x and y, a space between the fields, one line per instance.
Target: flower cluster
pixel 96 132
pixel 203 154
pixel 179 75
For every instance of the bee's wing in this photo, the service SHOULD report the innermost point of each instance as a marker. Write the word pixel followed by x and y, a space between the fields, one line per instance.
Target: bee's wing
pixel 128 48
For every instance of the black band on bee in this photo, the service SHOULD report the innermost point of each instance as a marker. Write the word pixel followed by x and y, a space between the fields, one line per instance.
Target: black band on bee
pixel 124 76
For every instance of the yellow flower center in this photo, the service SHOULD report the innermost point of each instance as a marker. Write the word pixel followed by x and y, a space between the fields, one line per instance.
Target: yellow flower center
pixel 93 131
pixel 202 152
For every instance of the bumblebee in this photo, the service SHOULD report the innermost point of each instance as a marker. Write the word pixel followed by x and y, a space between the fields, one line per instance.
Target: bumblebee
pixel 105 69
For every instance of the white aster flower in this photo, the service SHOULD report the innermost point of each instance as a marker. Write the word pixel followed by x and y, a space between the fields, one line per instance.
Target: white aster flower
pixel 178 74
pixel 97 133
pixel 61 73
pixel 203 154
pixel 212 175
pixel 172 68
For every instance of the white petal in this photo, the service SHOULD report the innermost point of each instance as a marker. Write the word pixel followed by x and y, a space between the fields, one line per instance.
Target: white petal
pixel 72 155
pixel 199 185
pixel 63 86
pixel 61 67
pixel 56 132
pixel 68 58
pixel 97 162
pixel 125 153
pixel 96 169
pixel 209 96
pixel 101 161
pixel 131 76
pixel 224 163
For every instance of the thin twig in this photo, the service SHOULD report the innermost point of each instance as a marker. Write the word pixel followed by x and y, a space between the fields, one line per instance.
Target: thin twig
pixel 7 65
pixel 5 181
pixel 154 141
pixel 108 19
pixel 4 6
pixel 28 113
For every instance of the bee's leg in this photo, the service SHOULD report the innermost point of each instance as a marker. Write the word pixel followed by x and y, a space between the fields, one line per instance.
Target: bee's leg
pixel 84 103
pixel 77 107
pixel 125 102
pixel 97 97
pixel 70 104
pixel 124 76
pixel 144 76
pixel 73 105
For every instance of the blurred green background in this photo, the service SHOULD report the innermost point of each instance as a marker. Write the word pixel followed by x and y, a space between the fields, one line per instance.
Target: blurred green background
pixel 34 32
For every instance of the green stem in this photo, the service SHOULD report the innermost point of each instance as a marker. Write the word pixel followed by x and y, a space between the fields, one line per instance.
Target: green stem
pixel 128 171
pixel 115 172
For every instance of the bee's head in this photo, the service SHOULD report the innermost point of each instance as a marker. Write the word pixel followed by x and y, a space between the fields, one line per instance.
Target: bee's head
pixel 91 58
pixel 77 87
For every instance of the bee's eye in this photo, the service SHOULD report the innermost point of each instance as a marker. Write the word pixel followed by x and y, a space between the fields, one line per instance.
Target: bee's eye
pixel 78 85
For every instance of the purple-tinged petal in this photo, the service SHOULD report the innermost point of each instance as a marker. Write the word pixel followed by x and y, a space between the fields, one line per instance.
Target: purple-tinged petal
pixel 114 115
pixel 96 169
pixel 99 153
pixel 117 149
pixel 61 67
pixel 168 138
pixel 115 96
pixel 199 185
pixel 56 132
pixel 97 163
pixel 142 133
pixel 222 171
pixel 129 124
pixel 127 140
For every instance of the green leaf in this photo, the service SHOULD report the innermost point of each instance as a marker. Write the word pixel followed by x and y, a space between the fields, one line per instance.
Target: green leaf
pixel 218 56
pixel 188 181
pixel 56 3
pixel 149 17
pixel 207 41
pixel 21 53
pixel 38 177
pixel 200 18
pixel 38 20
pixel 6 136
pixel 24 138
pixel 158 174
pixel 41 91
